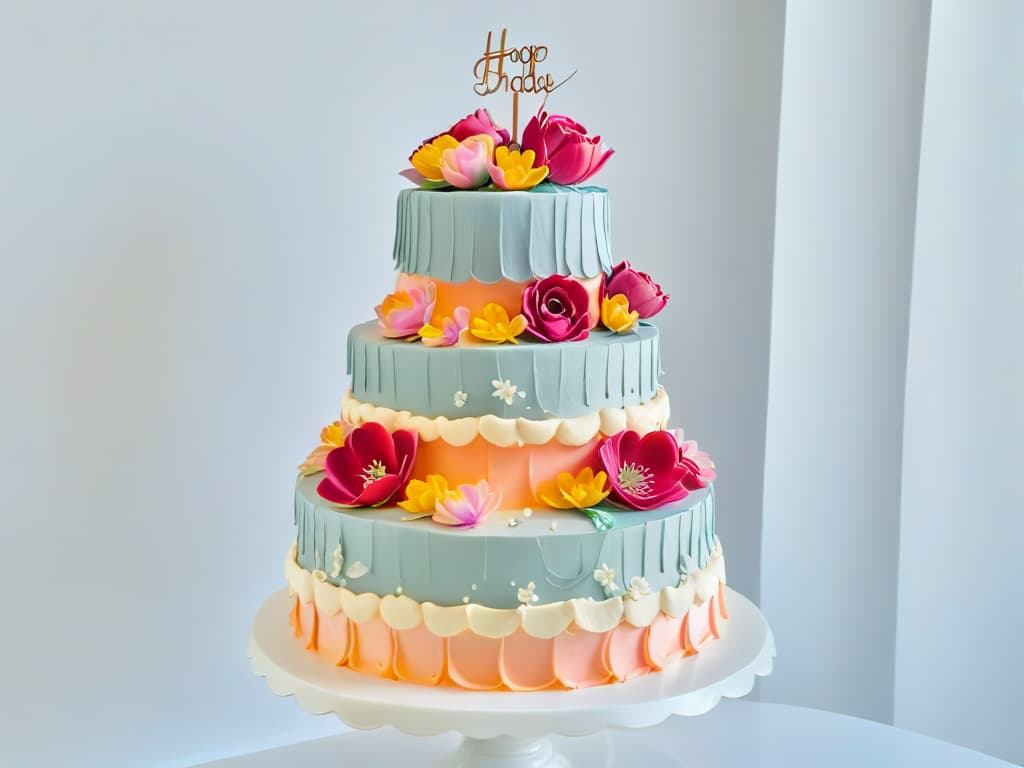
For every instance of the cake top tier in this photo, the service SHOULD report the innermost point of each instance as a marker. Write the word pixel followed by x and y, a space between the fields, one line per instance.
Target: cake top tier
pixel 517 236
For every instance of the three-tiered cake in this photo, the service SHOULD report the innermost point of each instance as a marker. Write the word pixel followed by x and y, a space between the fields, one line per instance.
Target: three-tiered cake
pixel 502 504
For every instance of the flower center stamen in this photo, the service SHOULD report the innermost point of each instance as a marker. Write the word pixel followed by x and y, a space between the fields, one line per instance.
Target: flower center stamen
pixel 375 470
pixel 636 479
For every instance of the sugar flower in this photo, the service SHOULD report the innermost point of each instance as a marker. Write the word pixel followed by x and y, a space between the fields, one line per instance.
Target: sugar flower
pixel 421 495
pixel 567 492
pixel 460 399
pixel 527 595
pixel 477 123
pixel 426 160
pixel 557 308
pixel 645 472
pixel 615 314
pixel 332 436
pixel 495 325
pixel 465 166
pixel 513 169
pixel 700 469
pixel 638 587
pixel 370 468
pixel 450 330
pixel 506 390
pixel 563 146
pixel 642 293
pixel 605 577
pixel 402 314
pixel 468 506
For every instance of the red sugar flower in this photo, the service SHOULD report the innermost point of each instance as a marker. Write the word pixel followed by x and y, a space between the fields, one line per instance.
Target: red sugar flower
pixel 370 468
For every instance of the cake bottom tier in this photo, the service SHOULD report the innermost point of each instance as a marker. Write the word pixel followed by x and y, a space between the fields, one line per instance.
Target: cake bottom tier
pixel 518 660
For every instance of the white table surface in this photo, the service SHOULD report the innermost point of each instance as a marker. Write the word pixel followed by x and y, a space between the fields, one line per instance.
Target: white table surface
pixel 736 734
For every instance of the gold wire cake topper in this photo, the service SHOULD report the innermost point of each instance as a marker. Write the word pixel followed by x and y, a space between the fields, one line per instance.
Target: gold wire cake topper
pixel 491 77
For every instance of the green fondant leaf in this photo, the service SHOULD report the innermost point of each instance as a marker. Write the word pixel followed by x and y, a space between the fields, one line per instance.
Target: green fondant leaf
pixel 310 471
pixel 600 517
pixel 434 184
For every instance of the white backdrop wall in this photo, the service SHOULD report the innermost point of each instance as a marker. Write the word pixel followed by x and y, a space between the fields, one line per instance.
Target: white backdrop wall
pixel 959 673
pixel 853 77
pixel 198 201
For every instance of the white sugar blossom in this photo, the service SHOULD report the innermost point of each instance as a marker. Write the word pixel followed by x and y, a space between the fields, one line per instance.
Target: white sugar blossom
pixel 460 399
pixel 506 390
pixel 526 595
pixel 638 587
pixel 356 570
pixel 605 576
pixel 319 575
pixel 337 560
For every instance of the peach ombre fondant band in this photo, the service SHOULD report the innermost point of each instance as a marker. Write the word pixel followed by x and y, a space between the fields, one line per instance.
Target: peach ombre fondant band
pixel 474 295
pixel 575 658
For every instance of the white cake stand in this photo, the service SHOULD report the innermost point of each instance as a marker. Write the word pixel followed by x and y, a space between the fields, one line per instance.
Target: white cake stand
pixel 512 730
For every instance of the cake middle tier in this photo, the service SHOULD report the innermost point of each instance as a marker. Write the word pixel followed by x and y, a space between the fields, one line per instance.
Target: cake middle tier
pixel 527 380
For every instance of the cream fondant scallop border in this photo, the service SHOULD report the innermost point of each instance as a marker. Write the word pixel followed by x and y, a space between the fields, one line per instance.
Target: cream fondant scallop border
pixel 541 621
pixel 643 418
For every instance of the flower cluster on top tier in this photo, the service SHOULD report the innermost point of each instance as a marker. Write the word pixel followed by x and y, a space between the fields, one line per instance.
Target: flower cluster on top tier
pixel 553 309
pixel 475 153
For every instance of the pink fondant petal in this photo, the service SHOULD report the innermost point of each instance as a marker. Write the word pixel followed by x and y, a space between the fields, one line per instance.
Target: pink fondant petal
pixel 419 656
pixel 527 663
pixel 474 661
pixel 663 642
pixel 332 640
pixel 372 648
pixel 581 658
pixel 308 624
pixel 627 652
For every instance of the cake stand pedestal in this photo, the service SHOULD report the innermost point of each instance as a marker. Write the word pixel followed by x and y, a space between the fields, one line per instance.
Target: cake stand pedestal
pixel 513 730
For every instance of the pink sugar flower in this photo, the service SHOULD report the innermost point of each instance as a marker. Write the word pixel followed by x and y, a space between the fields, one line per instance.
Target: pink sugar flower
pixel 700 469
pixel 467 165
pixel 468 507
pixel 563 146
pixel 643 294
pixel 404 313
pixel 449 332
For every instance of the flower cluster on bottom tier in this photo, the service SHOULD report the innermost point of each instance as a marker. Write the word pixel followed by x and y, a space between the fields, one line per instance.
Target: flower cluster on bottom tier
pixel 394 637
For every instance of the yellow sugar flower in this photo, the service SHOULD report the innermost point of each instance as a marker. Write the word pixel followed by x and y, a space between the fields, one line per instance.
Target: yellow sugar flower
pixel 427 159
pixel 495 325
pixel 513 169
pixel 332 436
pixel 421 495
pixel 568 492
pixel 615 314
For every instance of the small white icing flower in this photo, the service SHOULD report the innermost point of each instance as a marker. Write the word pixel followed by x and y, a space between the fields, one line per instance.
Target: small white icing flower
pixel 319 575
pixel 605 576
pixel 506 390
pixel 526 595
pixel 337 560
pixel 356 570
pixel 638 587
pixel 460 399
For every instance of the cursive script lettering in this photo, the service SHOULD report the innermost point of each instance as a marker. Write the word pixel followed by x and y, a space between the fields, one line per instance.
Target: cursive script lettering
pixel 492 76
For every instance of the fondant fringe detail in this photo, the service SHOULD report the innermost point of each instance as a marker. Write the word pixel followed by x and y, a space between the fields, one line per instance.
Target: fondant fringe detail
pixel 487 237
